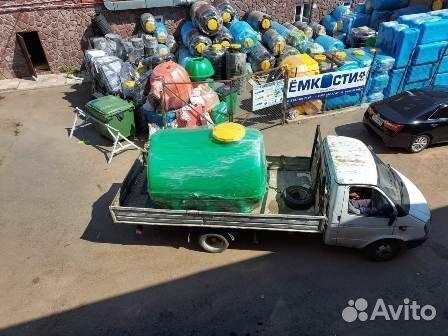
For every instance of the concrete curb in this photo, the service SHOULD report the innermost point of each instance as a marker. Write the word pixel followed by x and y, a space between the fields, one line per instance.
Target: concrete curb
pixel 42 81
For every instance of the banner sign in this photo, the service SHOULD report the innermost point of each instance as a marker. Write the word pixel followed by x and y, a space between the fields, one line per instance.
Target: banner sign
pixel 326 85
pixel 268 94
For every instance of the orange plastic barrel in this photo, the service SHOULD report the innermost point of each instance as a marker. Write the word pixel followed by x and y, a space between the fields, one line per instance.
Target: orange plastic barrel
pixel 170 82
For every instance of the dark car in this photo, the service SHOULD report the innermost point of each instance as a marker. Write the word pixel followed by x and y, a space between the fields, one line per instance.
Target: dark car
pixel 413 119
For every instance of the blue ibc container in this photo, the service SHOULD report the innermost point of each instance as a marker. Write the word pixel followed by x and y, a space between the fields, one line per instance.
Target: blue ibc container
pixel 353 20
pixel 244 34
pixel 418 73
pixel 389 4
pixel 342 101
pixel 441 79
pixel 441 13
pixel 416 9
pixel 330 24
pixel 339 12
pixel 404 44
pixel 329 43
pixel 395 79
pixel 379 16
pixel 429 53
pixel 416 85
pixel 387 34
pixel 432 28
pixel 443 68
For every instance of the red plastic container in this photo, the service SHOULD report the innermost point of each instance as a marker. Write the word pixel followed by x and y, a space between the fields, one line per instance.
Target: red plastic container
pixel 170 82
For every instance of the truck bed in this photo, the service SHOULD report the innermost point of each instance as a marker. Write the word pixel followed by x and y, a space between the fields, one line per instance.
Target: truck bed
pixel 132 204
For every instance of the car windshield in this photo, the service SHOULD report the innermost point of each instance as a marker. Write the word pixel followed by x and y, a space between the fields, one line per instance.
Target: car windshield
pixel 389 182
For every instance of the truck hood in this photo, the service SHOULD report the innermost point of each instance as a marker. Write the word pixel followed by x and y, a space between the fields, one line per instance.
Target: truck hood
pixel 418 206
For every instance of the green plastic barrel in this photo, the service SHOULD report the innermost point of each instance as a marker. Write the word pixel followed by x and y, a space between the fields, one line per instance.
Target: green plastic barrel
pixel 115 112
pixel 189 169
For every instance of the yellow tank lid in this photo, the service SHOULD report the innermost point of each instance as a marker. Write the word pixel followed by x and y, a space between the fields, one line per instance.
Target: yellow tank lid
pixel 266 24
pixel 340 54
pixel 229 132
pixel 265 65
pixel 235 46
pixel 212 24
pixel 358 52
pixel 226 17
pixel 279 47
pixel 216 47
pixel 129 83
pixel 320 57
pixel 225 44
pixel 248 43
pixel 150 26
pixel 200 48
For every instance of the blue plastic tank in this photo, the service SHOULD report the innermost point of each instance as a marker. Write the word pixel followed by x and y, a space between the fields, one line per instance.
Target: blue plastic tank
pixel 244 34
pixel 387 32
pixel 432 28
pixel 342 101
pixel 441 79
pixel 183 55
pixel 395 78
pixel 378 82
pixel 416 85
pixel 415 9
pixel 429 53
pixel 382 61
pixel 330 24
pixel 389 4
pixel 279 28
pixel 329 43
pixel 363 58
pixel 372 97
pixel 379 16
pixel 360 9
pixel 404 43
pixel 187 26
pixel 418 73
pixel 339 12
pixel 443 65
pixel 160 33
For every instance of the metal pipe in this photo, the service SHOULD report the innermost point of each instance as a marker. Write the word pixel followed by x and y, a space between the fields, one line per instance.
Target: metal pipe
pixel 137 4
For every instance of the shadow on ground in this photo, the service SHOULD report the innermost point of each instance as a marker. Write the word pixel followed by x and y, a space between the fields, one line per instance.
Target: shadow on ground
pixel 298 290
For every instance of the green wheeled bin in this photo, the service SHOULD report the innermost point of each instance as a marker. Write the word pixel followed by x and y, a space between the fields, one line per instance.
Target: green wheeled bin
pixel 115 112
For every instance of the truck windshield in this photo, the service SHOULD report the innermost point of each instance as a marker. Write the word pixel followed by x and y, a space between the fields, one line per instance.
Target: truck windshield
pixel 390 183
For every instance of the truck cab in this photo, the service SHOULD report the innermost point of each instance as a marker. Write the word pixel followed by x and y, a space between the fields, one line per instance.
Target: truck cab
pixel 369 204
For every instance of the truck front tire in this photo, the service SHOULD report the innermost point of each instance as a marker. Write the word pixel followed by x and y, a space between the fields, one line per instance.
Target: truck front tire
pixel 383 250
pixel 213 242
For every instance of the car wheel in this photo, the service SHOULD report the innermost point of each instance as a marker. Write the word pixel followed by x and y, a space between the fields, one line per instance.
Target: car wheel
pixel 383 250
pixel 213 242
pixel 419 143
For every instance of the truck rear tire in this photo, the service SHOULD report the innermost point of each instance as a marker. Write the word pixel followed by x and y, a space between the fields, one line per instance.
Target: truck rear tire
pixel 213 242
pixel 383 250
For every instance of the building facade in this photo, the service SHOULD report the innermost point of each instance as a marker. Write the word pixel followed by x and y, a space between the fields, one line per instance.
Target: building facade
pixel 54 33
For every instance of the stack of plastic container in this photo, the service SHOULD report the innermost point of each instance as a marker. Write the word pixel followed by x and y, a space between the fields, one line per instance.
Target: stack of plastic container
pixel 384 9
pixel 419 43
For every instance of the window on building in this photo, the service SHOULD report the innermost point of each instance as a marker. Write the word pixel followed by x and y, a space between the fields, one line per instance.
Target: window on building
pixel 303 11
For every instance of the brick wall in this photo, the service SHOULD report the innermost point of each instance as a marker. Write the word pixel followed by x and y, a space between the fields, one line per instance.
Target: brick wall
pixel 64 26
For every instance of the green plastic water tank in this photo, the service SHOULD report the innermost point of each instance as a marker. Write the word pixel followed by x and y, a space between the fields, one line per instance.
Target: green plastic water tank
pixel 190 169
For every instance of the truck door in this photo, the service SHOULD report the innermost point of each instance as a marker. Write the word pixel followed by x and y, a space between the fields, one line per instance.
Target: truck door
pixel 366 216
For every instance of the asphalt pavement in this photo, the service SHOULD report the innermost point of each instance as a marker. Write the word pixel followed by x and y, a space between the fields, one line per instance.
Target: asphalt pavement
pixel 66 269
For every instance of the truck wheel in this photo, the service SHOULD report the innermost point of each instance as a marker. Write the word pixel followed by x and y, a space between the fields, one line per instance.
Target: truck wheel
pixel 383 250
pixel 419 143
pixel 213 242
pixel 297 197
